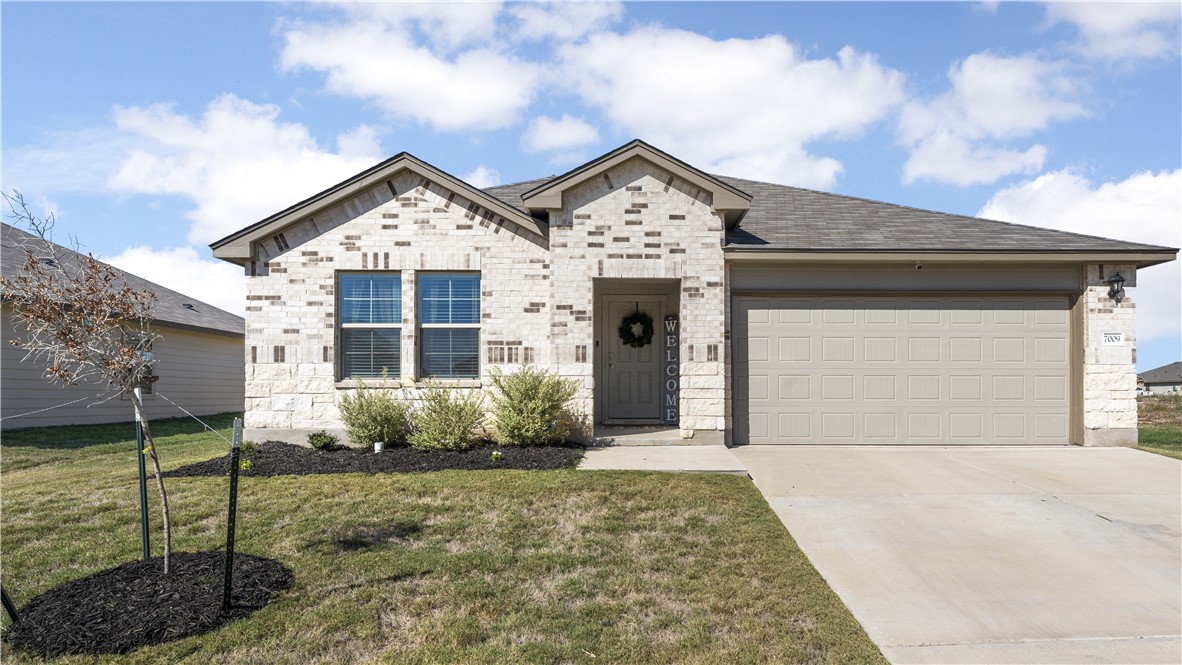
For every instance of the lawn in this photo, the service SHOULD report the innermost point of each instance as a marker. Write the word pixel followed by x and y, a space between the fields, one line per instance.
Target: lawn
pixel 461 566
pixel 1160 424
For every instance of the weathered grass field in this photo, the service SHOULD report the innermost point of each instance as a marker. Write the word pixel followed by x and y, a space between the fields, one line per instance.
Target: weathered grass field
pixel 1160 424
pixel 485 566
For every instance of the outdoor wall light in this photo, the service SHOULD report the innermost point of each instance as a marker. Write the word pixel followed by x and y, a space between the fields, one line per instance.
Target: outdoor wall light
pixel 1116 287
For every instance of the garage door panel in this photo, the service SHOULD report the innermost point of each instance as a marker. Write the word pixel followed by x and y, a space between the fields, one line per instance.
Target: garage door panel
pixel 901 370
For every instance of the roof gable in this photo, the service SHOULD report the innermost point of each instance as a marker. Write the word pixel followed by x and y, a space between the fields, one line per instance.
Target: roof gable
pixel 727 199
pixel 238 247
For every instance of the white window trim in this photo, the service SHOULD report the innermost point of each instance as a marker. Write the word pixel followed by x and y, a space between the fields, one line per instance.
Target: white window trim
pixel 339 364
pixel 420 371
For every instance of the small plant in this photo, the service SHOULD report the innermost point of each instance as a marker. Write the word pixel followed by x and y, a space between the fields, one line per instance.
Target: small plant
pixel 324 441
pixel 372 415
pixel 447 419
pixel 496 456
pixel 528 406
pixel 247 450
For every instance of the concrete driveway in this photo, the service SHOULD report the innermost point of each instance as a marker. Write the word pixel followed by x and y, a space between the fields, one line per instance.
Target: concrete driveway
pixel 991 555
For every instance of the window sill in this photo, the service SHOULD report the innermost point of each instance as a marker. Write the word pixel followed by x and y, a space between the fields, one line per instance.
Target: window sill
pixel 388 383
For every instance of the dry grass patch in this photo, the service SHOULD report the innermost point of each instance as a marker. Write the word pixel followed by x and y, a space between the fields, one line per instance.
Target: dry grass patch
pixel 1160 424
pixel 487 566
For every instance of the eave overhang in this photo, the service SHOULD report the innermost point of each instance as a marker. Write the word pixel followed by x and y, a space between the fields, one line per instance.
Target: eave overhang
pixel 731 202
pixel 239 247
pixel 1140 258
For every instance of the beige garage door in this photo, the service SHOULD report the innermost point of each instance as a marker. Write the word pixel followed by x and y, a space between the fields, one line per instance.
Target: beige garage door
pixel 875 370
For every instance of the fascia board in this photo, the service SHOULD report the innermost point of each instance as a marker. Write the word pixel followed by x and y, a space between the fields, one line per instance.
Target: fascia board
pixel 1141 259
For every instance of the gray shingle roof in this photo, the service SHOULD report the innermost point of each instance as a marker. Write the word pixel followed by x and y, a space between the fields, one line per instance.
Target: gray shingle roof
pixel 1171 373
pixel 511 194
pixel 792 218
pixel 170 305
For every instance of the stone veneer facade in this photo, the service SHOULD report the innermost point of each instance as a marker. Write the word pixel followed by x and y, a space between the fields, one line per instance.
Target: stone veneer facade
pixel 537 305
pixel 1109 371
pixel 539 300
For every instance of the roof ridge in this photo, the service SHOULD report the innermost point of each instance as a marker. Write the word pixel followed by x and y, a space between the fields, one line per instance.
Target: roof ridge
pixel 519 183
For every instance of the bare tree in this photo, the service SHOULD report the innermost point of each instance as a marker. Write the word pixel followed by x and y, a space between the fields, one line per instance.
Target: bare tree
pixel 84 323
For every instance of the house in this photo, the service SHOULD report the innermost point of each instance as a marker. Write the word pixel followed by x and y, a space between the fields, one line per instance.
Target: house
pixel 691 306
pixel 198 360
pixel 1164 379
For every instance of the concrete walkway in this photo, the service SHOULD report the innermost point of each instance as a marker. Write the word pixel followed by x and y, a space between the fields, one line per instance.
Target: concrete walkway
pixel 991 555
pixel 706 459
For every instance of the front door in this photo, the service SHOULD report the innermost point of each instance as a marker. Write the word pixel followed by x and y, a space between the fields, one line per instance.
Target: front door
pixel 631 374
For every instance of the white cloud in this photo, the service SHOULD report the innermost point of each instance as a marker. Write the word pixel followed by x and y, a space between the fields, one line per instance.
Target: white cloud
pixel 237 161
pixel 446 25
pixel 1145 207
pixel 181 269
pixel 746 106
pixel 482 176
pixel 407 59
pixel 563 20
pixel 959 136
pixel 566 133
pixel 1122 30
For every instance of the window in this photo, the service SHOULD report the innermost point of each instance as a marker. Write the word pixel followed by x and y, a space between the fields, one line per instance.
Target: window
pixel 370 311
pixel 449 311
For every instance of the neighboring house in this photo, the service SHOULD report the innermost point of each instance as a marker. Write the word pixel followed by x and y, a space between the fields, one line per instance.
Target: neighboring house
pixel 778 314
pixel 1165 379
pixel 198 360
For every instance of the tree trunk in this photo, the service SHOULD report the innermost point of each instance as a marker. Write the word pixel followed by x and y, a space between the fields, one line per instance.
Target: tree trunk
pixel 151 448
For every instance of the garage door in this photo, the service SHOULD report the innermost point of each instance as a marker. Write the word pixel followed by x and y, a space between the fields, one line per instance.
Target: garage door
pixel 877 370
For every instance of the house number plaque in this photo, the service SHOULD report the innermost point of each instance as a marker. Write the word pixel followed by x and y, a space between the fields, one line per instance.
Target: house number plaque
pixel 672 336
pixel 1114 339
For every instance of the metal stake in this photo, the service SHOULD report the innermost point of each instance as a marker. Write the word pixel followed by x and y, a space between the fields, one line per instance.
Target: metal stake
pixel 235 453
pixel 8 606
pixel 139 441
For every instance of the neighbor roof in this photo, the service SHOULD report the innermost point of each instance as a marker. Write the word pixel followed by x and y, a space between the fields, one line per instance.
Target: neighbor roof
pixel 1171 373
pixel 171 306
pixel 783 218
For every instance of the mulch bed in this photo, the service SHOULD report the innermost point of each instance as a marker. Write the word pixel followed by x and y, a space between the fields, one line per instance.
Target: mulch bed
pixel 274 458
pixel 134 605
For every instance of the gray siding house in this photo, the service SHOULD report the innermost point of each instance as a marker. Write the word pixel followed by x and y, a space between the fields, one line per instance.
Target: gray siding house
pixel 199 360
pixel 691 307
pixel 1164 379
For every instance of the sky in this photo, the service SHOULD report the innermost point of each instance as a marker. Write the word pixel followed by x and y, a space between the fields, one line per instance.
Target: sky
pixel 150 130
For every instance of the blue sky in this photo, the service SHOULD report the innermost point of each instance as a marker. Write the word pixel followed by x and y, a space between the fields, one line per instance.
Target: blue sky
pixel 152 129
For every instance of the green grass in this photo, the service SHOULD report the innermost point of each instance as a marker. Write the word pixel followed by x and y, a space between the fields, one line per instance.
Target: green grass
pixel 1160 430
pixel 557 566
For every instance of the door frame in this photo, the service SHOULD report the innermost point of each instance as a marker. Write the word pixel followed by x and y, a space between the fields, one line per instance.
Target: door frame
pixel 604 330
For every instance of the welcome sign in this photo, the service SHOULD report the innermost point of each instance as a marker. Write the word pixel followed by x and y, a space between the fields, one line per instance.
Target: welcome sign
pixel 672 369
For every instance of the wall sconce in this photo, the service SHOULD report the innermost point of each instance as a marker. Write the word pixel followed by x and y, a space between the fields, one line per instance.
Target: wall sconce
pixel 1116 288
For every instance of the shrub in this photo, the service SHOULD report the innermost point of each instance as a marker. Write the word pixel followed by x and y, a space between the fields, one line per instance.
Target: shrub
pixel 322 440
pixel 447 419
pixel 528 406
pixel 372 415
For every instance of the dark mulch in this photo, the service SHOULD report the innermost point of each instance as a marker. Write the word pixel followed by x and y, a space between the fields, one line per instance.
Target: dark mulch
pixel 274 458
pixel 134 605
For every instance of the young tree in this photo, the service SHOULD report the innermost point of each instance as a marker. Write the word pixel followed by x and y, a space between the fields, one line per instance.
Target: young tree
pixel 84 323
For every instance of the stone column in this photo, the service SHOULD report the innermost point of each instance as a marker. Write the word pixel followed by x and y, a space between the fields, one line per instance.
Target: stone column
pixel 1109 362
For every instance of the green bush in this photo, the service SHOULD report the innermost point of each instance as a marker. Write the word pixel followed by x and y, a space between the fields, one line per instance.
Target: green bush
pixel 528 406
pixel 373 415
pixel 322 440
pixel 446 419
